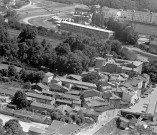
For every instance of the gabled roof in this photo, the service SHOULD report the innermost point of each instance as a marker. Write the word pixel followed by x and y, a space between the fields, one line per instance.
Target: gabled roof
pixel 77 77
pixel 91 93
pixel 41 105
pixel 64 101
pixel 91 85
pixel 68 96
pixel 38 96
pixel 73 92
pixel 42 86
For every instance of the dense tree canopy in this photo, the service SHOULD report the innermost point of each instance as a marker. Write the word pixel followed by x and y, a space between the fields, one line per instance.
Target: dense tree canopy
pixel 20 99
pixel 13 127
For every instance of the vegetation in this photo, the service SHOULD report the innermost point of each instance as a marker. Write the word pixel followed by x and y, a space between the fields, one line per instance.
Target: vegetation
pixel 75 118
pixel 141 5
pixel 12 127
pixel 20 100
pixel 151 69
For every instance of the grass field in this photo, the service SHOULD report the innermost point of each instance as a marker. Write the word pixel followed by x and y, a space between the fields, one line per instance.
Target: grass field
pixel 53 42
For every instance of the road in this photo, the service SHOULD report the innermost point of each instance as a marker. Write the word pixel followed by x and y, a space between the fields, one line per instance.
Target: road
pixel 37 10
pixel 24 125
pixel 104 119
pixel 145 104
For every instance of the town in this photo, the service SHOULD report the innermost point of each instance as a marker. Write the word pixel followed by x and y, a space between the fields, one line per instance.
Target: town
pixel 78 70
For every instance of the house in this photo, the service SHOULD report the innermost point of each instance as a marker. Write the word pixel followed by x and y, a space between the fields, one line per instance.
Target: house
pixel 40 87
pixel 94 103
pixel 40 98
pixel 92 93
pixel 35 131
pixel 73 82
pixel 55 87
pixel 61 128
pixel 76 103
pixel 74 77
pixel 40 107
pixel 129 96
pixel 70 97
pixel 47 93
pixel 64 109
pixel 115 101
pixel 48 77
pixel 73 92
pixel 63 102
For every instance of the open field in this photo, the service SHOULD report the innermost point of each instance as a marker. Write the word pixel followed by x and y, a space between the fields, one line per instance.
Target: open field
pixel 53 42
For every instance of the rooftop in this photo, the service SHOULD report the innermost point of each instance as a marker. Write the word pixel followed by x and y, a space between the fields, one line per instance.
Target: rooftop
pixel 42 86
pixel 64 101
pixel 49 74
pixel 61 128
pixel 78 83
pixel 77 77
pixel 73 92
pixel 91 93
pixel 88 27
pixel 38 96
pixel 73 97
pixel 41 105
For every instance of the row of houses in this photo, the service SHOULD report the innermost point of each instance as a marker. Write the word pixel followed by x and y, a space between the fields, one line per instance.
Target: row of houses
pixel 131 15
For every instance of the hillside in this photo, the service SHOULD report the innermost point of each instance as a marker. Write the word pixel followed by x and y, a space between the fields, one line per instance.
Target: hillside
pixel 142 5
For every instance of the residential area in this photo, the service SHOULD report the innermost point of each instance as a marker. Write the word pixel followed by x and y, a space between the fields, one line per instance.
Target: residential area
pixel 76 69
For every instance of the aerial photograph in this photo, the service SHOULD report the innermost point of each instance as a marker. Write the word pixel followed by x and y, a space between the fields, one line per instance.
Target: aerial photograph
pixel 78 67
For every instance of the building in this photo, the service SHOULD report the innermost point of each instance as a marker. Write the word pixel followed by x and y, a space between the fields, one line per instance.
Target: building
pixel 153 47
pixel 40 98
pixel 118 66
pixel 115 101
pixel 74 77
pixel 40 107
pixel 35 131
pixel 48 77
pixel 92 93
pixel 110 12
pixel 40 87
pixel 78 83
pixel 70 97
pixel 61 128
pixel 63 102
pixel 80 28
pixel 73 92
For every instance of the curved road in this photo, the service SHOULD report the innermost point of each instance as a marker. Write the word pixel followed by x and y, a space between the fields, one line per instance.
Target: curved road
pixel 44 9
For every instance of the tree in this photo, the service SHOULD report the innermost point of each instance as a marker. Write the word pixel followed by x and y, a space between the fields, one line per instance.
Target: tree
pixel 62 49
pixel 4 35
pixel 74 65
pixel 13 127
pixel 127 54
pixel 20 99
pixel 4 72
pixel 68 120
pixel 92 77
pixel 27 85
pixel 12 71
pixel 27 34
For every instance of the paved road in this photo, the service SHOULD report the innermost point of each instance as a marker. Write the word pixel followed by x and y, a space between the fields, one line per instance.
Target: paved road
pixel 24 125
pixel 145 104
